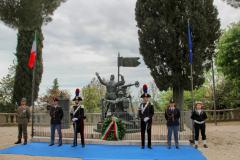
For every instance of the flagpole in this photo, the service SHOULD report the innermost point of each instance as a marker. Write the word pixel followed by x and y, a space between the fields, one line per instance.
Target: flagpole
pixel 192 95
pixel 32 100
pixel 118 66
pixel 33 86
pixel 191 73
pixel 214 93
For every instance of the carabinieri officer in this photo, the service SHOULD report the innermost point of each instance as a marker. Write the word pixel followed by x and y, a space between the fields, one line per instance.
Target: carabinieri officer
pixel 146 112
pixel 77 116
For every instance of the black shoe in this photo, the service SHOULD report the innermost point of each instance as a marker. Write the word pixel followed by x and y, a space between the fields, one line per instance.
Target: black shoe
pixel 83 145
pixel 177 147
pixel 149 147
pixel 25 142
pixel 18 142
pixel 196 146
pixel 143 147
pixel 51 144
pixel 59 145
pixel 205 146
pixel 74 145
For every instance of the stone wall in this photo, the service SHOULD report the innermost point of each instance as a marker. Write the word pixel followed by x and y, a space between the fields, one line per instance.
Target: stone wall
pixel 94 118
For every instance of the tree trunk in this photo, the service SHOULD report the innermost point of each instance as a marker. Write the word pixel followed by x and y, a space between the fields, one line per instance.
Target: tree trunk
pixel 23 75
pixel 178 98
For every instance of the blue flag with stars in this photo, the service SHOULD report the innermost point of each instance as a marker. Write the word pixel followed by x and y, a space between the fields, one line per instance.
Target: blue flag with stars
pixel 190 43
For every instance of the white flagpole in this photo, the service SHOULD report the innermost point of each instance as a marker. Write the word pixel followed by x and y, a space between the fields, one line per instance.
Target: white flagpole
pixel 33 86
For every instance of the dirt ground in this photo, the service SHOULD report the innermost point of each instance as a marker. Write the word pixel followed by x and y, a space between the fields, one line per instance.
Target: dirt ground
pixel 223 141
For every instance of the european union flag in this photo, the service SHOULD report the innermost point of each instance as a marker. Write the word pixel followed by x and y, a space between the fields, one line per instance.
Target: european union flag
pixel 190 43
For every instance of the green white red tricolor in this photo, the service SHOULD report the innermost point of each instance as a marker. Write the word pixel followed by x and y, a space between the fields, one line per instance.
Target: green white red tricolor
pixel 113 125
pixel 33 53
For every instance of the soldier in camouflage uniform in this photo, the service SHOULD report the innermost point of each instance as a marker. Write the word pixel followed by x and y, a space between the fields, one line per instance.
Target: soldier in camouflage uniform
pixel 23 116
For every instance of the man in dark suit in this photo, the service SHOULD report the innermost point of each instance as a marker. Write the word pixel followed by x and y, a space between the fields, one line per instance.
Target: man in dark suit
pixel 146 112
pixel 77 116
pixel 56 114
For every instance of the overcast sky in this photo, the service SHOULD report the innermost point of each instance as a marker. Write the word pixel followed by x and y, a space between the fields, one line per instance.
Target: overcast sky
pixel 85 37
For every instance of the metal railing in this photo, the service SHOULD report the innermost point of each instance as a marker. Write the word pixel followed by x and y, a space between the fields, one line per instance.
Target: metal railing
pixel 159 129
pixel 224 115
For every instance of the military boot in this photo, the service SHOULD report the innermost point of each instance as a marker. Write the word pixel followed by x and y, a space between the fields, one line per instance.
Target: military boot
pixel 18 142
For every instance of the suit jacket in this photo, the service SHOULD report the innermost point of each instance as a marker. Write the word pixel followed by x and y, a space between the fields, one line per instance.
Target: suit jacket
pixel 199 117
pixel 56 114
pixel 146 111
pixel 172 117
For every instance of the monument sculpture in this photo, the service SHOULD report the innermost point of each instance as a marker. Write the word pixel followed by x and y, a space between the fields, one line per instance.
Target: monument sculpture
pixel 118 102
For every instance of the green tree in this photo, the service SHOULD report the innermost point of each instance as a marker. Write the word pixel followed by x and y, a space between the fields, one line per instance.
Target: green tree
pixel 92 95
pixel 228 57
pixel 6 85
pixel 200 94
pixel 163 41
pixel 27 16
pixel 165 96
pixel 55 84
pixel 6 90
pixel 228 61
pixel 226 95
pixel 55 91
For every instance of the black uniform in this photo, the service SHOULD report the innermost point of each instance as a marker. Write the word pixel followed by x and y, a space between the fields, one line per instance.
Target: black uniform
pixel 172 117
pixel 146 110
pixel 78 125
pixel 199 123
pixel 56 114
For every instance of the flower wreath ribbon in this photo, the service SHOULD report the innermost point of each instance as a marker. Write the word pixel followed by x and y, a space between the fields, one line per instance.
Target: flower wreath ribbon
pixel 113 125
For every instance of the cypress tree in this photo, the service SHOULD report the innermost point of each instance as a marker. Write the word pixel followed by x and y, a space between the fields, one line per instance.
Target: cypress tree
pixel 162 30
pixel 27 16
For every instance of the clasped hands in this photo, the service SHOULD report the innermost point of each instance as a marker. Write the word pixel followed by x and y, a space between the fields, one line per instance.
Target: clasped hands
pixel 74 119
pixel 146 119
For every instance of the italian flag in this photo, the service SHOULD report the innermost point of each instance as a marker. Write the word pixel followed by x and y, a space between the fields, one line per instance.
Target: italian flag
pixel 33 53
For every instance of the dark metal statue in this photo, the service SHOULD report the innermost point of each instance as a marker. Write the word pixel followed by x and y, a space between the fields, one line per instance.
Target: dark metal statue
pixel 117 101
pixel 111 86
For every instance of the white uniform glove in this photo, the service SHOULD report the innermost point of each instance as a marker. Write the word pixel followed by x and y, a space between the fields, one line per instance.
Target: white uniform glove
pixel 146 119
pixel 199 122
pixel 74 119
